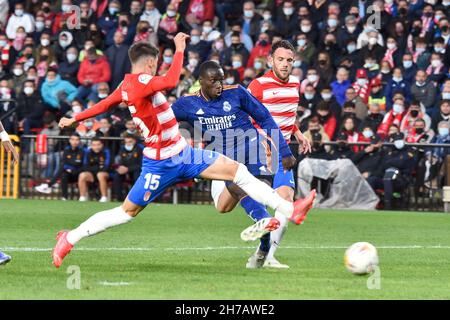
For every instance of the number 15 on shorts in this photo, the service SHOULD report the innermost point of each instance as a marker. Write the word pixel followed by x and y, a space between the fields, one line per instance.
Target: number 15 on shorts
pixel 151 181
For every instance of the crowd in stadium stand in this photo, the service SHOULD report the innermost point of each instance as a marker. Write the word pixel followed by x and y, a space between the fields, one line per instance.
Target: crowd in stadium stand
pixel 370 71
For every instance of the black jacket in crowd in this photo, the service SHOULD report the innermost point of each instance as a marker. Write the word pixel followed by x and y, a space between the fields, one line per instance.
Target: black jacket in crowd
pixel 95 162
pixel 72 159
pixel 131 159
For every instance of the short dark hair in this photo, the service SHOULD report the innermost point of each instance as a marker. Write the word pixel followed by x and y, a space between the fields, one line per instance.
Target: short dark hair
pixel 282 44
pixel 208 65
pixel 140 50
pixel 75 134
pixel 96 139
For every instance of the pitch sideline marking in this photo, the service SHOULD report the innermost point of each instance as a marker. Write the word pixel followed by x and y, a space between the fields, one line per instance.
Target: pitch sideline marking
pixel 137 249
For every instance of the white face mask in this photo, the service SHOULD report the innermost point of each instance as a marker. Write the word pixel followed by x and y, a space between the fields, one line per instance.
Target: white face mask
pixel 3 43
pixel 301 42
pixel 312 78
pixel 288 11
pixel 373 41
pixel 248 13
pixel 236 64
pixel 229 80
pixel 407 64
pixel 351 29
pixel 435 63
pixel 28 90
pixel 64 43
pixel 446 95
pixel 45 42
pixel 257 65
pixel 326 96
pixel 40 25
pixel 398 108
pixel 309 96
pixel 397 79
pixel 18 12
pixel 129 147
pixel 391 46
pixel 399 144
pixel 18 72
pixel 332 23
pixel 207 29
pixel 193 62
pixel 305 29
pixel 362 82
pixel 167 59
pixel 102 95
pixel 71 57
pixel 351 48
pixel 267 17
pixel 195 39
pixel 367 133
pixel 297 64
pixel 443 132
pixel 76 109
pixel 65 8
pixel 171 13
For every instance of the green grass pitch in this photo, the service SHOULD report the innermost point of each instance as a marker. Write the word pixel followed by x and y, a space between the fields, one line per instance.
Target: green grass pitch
pixel 192 252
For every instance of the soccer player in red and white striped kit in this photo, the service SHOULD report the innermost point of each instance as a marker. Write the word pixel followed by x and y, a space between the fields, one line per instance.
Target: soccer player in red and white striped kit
pixel 279 92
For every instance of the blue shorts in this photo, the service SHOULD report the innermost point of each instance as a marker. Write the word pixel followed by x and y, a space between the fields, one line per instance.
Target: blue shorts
pixel 158 175
pixel 283 178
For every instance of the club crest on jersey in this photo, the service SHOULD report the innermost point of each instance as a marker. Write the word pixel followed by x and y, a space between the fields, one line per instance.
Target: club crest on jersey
pixel 144 78
pixel 226 106
pixel 147 196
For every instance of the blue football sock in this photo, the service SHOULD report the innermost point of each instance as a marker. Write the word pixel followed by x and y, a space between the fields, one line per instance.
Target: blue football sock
pixel 256 211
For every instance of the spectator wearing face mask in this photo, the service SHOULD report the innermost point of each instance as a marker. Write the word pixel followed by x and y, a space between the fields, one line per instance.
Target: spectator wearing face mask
pixel 305 48
pixel 168 26
pixel 62 17
pixel 18 77
pixel 52 88
pixel 68 68
pixel 101 93
pixel 436 71
pixel 128 165
pixel 350 128
pixel 151 14
pixel 392 117
pixel 93 70
pixel 442 115
pixel 65 40
pixel 286 21
pixel 419 133
pixel 236 30
pixel 261 49
pixel 439 158
pixel 424 91
pixel 19 19
pixel 395 85
pixel 368 159
pixel 409 68
pixel 312 78
pixel 326 118
pixel 348 33
pixel 236 47
pixel 30 108
pixel 117 55
pixel 8 53
pixel 251 20
pixel 393 173
pixel 341 150
pixel 109 21
pixel 341 85
pixel 373 118
pixel 202 47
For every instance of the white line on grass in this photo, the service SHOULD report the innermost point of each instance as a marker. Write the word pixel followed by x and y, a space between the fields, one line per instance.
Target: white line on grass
pixel 399 247
pixel 114 284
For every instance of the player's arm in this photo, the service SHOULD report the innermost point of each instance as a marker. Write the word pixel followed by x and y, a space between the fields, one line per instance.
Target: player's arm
pixel 264 119
pixel 112 100
pixel 171 78
pixel 305 144
pixel 6 142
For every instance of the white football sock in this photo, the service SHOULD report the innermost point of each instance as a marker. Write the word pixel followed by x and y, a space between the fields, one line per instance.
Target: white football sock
pixel 277 235
pixel 97 223
pixel 261 192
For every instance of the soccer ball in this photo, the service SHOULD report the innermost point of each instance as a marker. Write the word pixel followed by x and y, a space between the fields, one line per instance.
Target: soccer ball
pixel 361 258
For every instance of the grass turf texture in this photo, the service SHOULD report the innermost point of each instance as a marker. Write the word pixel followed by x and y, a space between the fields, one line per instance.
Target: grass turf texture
pixel 171 264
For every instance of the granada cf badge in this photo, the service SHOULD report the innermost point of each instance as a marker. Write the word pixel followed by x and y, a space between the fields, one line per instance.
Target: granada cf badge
pixel 147 196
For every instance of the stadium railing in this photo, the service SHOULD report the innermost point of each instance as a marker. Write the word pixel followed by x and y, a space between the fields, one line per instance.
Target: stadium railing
pixel 38 167
pixel 9 173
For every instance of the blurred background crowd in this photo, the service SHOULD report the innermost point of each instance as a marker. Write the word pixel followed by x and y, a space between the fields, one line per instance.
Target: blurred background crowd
pixel 370 71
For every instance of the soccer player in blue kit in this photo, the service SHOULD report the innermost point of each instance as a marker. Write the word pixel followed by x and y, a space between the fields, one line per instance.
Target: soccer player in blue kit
pixel 223 113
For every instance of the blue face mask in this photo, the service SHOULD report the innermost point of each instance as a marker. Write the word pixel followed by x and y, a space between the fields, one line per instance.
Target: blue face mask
pixel 113 10
pixel 443 132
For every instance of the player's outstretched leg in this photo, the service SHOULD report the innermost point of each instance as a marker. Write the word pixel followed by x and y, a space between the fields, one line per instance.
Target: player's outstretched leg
pixel 99 222
pixel 4 258
pixel 226 169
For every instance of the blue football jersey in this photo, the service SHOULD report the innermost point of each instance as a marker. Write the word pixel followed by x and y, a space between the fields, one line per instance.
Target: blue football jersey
pixel 226 125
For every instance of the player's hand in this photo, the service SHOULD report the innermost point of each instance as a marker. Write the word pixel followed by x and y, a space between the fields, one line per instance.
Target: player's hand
pixel 288 162
pixel 180 41
pixel 66 122
pixel 305 144
pixel 10 149
pixel 122 170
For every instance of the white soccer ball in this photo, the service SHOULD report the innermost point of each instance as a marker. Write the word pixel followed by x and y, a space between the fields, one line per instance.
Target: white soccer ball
pixel 361 258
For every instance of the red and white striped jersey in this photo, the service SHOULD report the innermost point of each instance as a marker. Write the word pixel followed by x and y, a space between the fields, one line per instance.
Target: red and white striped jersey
pixel 280 98
pixel 150 110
